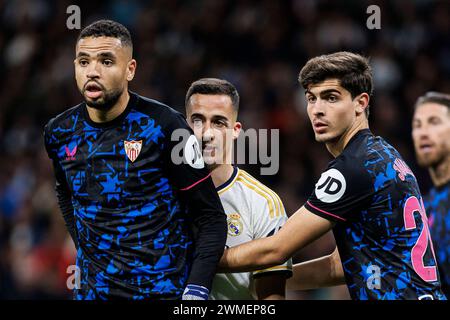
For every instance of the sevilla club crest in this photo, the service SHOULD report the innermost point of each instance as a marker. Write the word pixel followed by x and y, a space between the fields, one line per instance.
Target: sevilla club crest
pixel 132 149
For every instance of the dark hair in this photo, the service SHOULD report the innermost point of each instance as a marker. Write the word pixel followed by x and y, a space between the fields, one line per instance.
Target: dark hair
pixel 214 86
pixel 434 97
pixel 107 28
pixel 352 70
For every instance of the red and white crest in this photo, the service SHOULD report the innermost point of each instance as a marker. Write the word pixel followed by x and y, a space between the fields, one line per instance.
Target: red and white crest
pixel 132 149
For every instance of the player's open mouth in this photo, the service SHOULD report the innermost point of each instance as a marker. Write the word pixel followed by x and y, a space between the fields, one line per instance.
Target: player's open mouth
pixel 426 147
pixel 93 91
pixel 209 148
pixel 320 127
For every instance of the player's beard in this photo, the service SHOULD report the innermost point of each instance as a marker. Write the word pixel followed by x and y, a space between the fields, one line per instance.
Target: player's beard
pixel 433 159
pixel 109 99
pixel 212 166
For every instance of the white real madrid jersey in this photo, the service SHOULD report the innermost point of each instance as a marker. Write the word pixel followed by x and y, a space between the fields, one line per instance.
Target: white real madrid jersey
pixel 253 211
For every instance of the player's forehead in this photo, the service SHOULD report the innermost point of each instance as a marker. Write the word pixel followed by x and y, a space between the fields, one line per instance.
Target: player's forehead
pixel 327 85
pixel 95 45
pixel 431 109
pixel 211 104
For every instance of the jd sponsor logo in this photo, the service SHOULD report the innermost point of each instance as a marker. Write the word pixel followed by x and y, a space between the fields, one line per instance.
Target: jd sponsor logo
pixel 331 186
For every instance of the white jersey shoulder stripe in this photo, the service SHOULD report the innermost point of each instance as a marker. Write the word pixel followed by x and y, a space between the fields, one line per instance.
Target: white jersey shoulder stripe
pixel 275 198
pixel 251 178
pixel 265 187
pixel 274 210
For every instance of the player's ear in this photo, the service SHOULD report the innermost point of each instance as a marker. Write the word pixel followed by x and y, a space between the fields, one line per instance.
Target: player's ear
pixel 361 103
pixel 131 69
pixel 236 130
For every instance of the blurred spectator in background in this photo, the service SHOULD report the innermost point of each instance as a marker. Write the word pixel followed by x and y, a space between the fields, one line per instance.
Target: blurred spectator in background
pixel 431 134
pixel 259 45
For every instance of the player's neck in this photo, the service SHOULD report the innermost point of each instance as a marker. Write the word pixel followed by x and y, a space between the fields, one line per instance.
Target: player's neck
pixel 101 116
pixel 337 146
pixel 440 174
pixel 221 174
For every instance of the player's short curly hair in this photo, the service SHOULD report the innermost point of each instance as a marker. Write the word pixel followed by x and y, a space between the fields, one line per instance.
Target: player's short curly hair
pixel 434 97
pixel 214 86
pixel 352 70
pixel 107 28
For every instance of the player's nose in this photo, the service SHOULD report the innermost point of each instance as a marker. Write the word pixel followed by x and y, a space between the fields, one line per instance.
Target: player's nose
pixel 318 108
pixel 93 71
pixel 208 134
pixel 423 132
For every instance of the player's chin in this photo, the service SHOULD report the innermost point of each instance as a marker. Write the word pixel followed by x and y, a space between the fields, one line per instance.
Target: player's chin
pixel 210 160
pixel 427 160
pixel 97 103
pixel 94 101
pixel 211 164
pixel 324 137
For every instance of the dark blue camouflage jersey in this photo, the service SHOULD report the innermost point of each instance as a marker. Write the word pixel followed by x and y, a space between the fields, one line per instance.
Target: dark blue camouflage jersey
pixel 123 200
pixel 437 204
pixel 380 227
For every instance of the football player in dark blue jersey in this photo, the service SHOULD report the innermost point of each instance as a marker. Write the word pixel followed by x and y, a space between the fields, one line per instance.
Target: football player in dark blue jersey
pixel 129 186
pixel 431 135
pixel 367 195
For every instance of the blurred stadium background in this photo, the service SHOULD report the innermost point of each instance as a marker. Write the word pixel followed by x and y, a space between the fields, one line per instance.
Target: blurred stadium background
pixel 259 46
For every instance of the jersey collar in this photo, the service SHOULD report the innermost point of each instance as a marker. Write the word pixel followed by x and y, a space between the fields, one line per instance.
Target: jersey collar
pixel 229 182
pixel 360 133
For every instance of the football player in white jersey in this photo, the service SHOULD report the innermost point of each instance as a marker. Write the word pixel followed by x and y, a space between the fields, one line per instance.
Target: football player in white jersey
pixel 253 210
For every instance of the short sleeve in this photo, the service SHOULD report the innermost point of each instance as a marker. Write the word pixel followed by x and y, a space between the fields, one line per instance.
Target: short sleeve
pixel 343 189
pixel 270 217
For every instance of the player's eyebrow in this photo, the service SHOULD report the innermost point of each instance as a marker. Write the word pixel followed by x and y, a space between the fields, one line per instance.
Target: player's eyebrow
pixel 328 91
pixel 324 92
pixel 197 115
pixel 107 54
pixel 218 117
pixel 214 118
pixel 434 118
pixel 82 54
